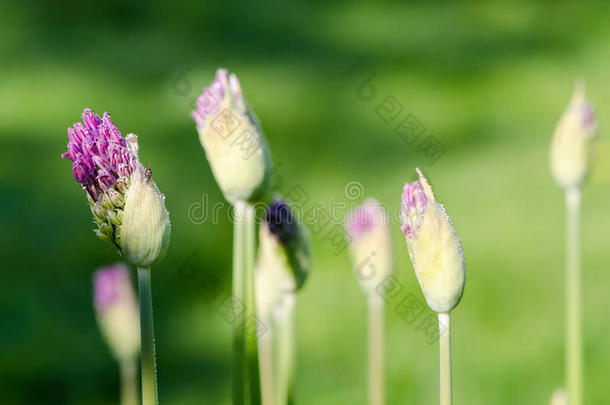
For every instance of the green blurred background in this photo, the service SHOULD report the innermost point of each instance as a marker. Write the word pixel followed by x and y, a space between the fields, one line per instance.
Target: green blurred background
pixel 488 79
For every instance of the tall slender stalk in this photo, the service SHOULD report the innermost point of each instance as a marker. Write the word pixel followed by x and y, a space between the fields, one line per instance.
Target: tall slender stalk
pixel 376 350
pixel 129 382
pixel 574 356
pixel 147 333
pixel 445 358
pixel 246 382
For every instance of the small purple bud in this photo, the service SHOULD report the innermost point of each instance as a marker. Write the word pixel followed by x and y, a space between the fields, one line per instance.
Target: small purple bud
pixel 364 218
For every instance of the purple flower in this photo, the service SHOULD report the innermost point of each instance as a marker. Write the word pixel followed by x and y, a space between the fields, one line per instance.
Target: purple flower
pixel 103 163
pixel 413 207
pixel 108 285
pixel 99 154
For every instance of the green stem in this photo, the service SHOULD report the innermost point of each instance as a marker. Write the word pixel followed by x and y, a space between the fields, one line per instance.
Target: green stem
pixel 246 382
pixel 445 358
pixel 149 367
pixel 574 356
pixel 376 351
pixel 129 382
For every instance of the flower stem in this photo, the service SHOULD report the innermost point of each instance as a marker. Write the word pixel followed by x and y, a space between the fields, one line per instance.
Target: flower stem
pixel 445 358
pixel 376 351
pixel 149 367
pixel 574 356
pixel 129 382
pixel 246 382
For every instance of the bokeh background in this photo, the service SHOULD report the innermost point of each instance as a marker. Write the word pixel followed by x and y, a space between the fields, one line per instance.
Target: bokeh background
pixel 487 79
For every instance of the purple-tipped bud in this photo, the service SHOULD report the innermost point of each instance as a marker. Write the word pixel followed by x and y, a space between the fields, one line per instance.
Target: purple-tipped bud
pixel 232 139
pixel 433 245
pixel 573 141
pixel 116 309
pixel 108 285
pixel 364 218
pixel 413 207
pixel 370 247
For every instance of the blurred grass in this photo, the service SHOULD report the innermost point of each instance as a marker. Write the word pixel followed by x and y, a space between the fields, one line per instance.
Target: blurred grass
pixel 489 80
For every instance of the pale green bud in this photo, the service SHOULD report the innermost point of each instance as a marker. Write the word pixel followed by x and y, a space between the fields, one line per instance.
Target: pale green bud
pixel 572 144
pixel 233 140
pixel 433 245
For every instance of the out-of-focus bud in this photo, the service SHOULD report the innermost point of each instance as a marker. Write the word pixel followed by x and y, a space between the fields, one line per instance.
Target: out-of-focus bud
pixel 560 397
pixel 117 311
pixel 145 228
pixel 433 245
pixel 370 249
pixel 232 138
pixel 283 256
pixel 572 144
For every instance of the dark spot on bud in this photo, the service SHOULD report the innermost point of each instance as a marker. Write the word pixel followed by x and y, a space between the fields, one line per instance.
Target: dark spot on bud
pixel 148 174
pixel 281 222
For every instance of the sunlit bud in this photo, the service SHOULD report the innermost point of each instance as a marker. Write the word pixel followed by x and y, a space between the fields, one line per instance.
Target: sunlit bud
pixel 370 247
pixel 232 138
pixel 572 143
pixel 117 310
pixel 433 245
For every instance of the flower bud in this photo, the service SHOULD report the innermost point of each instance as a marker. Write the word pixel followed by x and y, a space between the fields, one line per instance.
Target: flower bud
pixel 116 310
pixel 433 245
pixel 283 256
pixel 145 228
pixel 572 144
pixel 233 141
pixel 370 249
